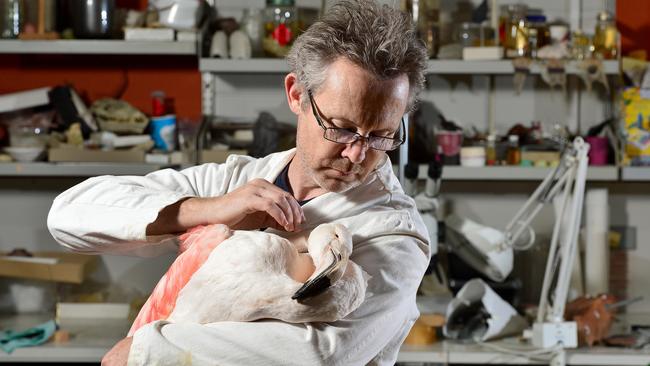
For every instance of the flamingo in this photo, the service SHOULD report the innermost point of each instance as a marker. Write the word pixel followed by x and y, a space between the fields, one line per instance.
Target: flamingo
pixel 223 275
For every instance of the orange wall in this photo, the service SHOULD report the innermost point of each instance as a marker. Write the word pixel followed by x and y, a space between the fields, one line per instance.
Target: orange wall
pixel 97 76
pixel 633 21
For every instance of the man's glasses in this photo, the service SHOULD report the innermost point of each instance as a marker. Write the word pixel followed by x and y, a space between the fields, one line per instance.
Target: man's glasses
pixel 345 136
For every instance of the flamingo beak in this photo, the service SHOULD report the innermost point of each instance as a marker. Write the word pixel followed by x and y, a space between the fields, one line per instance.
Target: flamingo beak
pixel 321 282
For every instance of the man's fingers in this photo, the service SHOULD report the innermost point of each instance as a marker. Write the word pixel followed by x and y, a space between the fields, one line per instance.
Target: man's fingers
pixel 283 200
pixel 298 215
pixel 273 209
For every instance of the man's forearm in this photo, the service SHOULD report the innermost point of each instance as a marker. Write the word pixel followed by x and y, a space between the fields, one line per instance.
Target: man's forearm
pixel 180 216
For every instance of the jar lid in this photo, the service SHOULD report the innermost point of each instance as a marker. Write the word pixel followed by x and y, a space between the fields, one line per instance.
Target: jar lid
pixel 280 2
pixel 536 18
pixel 604 16
pixel 513 138
pixel 470 25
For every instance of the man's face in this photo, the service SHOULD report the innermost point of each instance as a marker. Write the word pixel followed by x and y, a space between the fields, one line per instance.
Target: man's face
pixel 349 98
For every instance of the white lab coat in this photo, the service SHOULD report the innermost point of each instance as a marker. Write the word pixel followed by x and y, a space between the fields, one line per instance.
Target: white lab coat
pixel 109 215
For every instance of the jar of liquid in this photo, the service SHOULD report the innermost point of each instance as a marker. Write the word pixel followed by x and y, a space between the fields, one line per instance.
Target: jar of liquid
pixel 513 155
pixel 581 46
pixel 538 34
pixel 469 34
pixel 281 27
pixel 11 18
pixel 491 150
pixel 606 37
pixel 516 33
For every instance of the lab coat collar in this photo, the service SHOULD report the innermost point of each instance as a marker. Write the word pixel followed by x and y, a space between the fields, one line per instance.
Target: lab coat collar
pixel 377 188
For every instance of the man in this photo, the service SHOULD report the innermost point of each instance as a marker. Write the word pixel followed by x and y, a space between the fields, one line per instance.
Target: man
pixel 354 75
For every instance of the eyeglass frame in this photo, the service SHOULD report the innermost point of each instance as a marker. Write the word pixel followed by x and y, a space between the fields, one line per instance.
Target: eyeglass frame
pixel 357 136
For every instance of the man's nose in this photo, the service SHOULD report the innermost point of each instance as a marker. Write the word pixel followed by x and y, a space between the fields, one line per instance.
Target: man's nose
pixel 356 151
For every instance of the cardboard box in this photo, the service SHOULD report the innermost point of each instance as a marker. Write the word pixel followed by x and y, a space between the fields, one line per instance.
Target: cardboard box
pixel 219 156
pixel 73 154
pixel 49 266
pixel 71 310
pixel 549 157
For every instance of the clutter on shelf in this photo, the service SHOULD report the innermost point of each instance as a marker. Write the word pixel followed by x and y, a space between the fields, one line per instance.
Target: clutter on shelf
pixel 56 123
pixel 163 20
pixel 511 31
pixel 222 136
pixel 260 32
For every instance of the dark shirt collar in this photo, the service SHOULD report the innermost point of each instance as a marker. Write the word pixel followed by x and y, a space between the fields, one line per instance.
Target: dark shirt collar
pixel 282 181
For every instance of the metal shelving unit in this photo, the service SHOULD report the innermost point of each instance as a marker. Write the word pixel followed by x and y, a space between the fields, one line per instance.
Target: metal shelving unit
pixel 453 353
pixel 635 174
pixel 90 340
pixel 103 47
pixel 516 173
pixel 43 169
pixel 498 67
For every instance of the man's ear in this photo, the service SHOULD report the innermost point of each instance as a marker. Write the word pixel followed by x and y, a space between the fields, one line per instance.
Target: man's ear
pixel 294 92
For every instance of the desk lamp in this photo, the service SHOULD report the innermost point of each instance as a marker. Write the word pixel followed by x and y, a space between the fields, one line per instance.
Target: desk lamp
pixel 490 251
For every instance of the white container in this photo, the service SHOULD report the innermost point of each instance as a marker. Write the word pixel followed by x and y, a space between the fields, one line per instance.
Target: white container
pixel 26 296
pixel 472 156
pixel 178 14
pixel 25 154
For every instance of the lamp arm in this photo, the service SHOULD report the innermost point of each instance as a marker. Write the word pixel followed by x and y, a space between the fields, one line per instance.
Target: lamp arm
pixel 544 193
pixel 569 250
pixel 563 250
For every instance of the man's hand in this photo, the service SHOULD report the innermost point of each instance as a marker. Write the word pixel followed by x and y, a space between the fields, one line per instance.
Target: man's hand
pixel 119 354
pixel 258 204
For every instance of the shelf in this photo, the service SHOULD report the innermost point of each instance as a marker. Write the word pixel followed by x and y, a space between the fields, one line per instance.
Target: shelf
pixel 89 340
pixel 272 66
pixel 104 47
pixel 453 353
pixel 251 66
pixel 635 173
pixel 499 67
pixel 44 169
pixel 516 173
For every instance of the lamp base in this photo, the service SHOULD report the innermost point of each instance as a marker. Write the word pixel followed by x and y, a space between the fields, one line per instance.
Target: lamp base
pixel 546 335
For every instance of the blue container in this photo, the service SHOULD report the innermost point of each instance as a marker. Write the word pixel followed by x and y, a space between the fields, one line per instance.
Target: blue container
pixel 163 132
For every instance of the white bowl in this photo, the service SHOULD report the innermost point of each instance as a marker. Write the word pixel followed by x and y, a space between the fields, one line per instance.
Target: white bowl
pixel 178 14
pixel 25 154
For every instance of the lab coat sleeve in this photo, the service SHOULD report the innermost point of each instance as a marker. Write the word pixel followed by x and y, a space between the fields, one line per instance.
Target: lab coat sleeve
pixel 371 334
pixel 109 214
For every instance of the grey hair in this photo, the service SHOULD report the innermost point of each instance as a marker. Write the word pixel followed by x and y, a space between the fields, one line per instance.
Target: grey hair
pixel 378 38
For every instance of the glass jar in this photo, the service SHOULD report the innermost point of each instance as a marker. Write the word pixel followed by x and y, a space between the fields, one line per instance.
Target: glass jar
pixel 516 33
pixel 605 37
pixel 491 150
pixel 487 37
pixel 513 154
pixel 281 27
pixel 252 24
pixel 504 20
pixel 581 46
pixel 11 18
pixel 538 34
pixel 469 34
